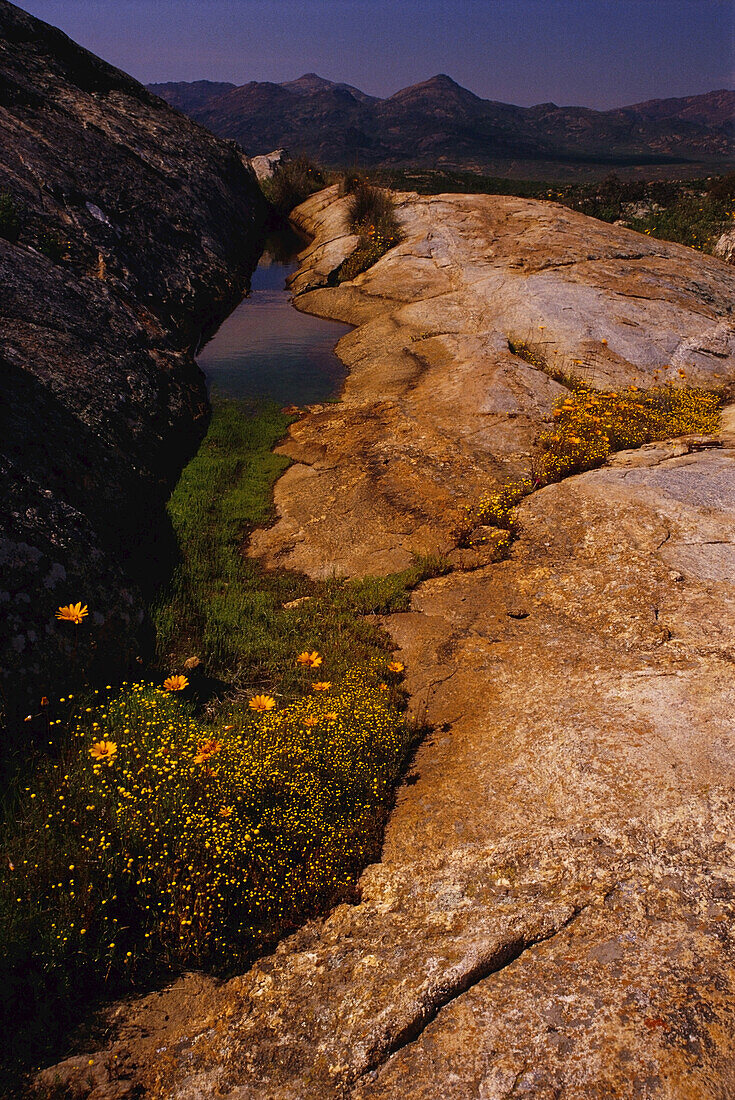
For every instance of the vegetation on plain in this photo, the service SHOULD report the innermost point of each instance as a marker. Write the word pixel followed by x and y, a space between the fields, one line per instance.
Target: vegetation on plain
pixel 194 819
pixel 693 212
pixel 291 184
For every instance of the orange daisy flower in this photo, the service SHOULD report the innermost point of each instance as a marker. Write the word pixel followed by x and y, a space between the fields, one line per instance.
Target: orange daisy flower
pixel 207 750
pixel 103 751
pixel 262 703
pixel 311 660
pixel 72 612
pixel 175 683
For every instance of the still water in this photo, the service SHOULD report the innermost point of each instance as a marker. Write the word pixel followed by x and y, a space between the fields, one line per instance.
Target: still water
pixel 266 348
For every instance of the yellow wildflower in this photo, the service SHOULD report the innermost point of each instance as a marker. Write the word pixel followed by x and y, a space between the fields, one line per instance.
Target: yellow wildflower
pixel 103 751
pixel 311 660
pixel 396 666
pixel 262 702
pixel 322 685
pixel 175 683
pixel 72 612
pixel 207 750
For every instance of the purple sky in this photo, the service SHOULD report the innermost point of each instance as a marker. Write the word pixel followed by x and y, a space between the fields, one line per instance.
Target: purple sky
pixel 597 53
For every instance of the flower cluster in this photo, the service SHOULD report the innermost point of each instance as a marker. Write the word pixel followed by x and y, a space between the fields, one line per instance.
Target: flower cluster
pixel 589 424
pixel 161 839
pixel 496 510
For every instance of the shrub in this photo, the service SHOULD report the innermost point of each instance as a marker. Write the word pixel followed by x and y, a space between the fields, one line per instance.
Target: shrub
pixel 371 207
pixel 10 221
pixel 371 214
pixel 291 183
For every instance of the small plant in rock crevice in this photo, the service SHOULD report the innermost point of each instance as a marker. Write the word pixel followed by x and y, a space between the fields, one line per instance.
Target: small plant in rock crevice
pixel 372 216
pixel 10 219
pixel 588 426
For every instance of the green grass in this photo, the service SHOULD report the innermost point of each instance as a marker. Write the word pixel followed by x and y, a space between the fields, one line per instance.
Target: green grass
pixel 217 606
pixel 223 607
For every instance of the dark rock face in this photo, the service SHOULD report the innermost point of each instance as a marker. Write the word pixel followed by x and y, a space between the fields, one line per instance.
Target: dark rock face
pixel 440 124
pixel 126 233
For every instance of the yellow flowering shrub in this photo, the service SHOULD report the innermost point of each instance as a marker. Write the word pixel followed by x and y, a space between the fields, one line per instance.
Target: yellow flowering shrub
pixel 496 509
pixel 590 424
pixel 164 840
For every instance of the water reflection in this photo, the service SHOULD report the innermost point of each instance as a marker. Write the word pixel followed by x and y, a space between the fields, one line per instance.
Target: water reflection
pixel 266 348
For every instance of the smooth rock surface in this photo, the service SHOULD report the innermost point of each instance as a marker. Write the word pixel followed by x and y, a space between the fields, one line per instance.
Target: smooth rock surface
pixel 552 916
pixel 436 407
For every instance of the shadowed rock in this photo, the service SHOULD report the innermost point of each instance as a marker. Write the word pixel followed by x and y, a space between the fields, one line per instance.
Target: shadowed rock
pixel 128 232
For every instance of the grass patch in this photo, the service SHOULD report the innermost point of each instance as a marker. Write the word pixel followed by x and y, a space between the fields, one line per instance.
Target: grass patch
pixel 217 606
pixel 222 607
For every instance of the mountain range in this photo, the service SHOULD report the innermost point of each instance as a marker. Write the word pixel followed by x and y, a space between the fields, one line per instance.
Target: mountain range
pixel 439 123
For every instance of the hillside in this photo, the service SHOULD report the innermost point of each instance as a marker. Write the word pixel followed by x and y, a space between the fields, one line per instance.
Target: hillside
pixel 438 123
pixel 126 230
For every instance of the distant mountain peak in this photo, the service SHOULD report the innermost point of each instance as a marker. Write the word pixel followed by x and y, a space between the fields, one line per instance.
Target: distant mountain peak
pixel 313 84
pixel 443 79
pixel 309 82
pixel 439 87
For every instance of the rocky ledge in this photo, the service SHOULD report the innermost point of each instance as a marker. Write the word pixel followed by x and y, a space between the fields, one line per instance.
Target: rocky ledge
pixel 126 232
pixel 552 915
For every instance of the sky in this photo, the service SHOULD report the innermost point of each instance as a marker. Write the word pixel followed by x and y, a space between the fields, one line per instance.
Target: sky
pixel 594 53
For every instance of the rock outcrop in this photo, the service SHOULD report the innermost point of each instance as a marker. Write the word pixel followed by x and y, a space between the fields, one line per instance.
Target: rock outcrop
pixel 126 232
pixel 725 246
pixel 552 915
pixel 436 406
pixel 265 166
